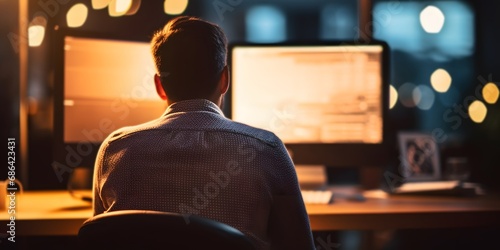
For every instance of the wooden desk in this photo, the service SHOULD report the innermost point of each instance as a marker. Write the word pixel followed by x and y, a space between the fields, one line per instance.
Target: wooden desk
pixel 57 213
pixel 48 213
pixel 406 212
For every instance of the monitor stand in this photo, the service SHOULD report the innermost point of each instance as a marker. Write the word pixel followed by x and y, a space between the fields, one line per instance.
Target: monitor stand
pixel 312 177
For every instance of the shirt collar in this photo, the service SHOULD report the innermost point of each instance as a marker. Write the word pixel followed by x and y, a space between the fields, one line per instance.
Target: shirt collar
pixel 192 106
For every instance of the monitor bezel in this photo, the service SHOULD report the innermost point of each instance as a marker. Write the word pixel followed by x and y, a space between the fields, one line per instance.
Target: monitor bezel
pixel 333 154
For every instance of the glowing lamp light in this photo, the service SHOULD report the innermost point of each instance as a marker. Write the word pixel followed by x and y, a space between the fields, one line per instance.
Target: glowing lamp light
pixel 36 33
pixel 490 93
pixel 432 19
pixel 118 8
pixel 477 111
pixel 121 6
pixel 175 7
pixel 77 15
pixel 100 4
pixel 393 96
pixel 441 80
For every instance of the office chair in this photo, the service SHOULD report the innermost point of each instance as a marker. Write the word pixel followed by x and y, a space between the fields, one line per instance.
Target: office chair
pixel 142 229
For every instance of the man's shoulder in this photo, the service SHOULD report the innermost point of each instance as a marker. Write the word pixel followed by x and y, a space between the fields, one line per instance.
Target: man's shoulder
pixel 262 135
pixel 127 131
pixel 218 125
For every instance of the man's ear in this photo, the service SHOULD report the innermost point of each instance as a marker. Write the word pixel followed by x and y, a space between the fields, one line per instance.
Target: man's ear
pixel 159 88
pixel 224 80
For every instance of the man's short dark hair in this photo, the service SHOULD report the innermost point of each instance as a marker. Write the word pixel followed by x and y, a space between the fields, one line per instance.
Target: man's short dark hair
pixel 190 55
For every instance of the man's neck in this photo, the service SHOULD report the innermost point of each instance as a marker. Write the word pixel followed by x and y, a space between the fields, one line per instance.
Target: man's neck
pixel 217 100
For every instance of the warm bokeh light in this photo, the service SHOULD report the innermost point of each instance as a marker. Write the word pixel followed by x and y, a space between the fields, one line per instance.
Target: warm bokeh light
pixel 77 15
pixel 424 97
pixel 406 96
pixel 175 7
pixel 39 20
pixel 36 34
pixel 441 80
pixel 121 6
pixel 118 8
pixel 432 19
pixel 477 111
pixel 100 4
pixel 36 31
pixel 134 8
pixel 490 93
pixel 393 96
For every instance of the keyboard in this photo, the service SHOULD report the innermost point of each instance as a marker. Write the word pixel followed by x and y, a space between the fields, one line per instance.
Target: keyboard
pixel 317 196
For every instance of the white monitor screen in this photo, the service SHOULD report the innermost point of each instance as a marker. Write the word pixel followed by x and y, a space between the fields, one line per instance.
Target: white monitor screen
pixel 310 94
pixel 108 84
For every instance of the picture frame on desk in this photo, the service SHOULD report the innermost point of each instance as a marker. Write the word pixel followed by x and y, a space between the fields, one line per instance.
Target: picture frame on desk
pixel 419 156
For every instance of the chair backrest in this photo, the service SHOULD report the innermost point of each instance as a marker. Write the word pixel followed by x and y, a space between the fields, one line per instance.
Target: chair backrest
pixel 142 229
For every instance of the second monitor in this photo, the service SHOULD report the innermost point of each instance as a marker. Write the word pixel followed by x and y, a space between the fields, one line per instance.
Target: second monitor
pixel 327 102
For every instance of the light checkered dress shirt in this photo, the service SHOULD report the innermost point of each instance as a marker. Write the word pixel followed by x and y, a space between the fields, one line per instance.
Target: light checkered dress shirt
pixel 193 160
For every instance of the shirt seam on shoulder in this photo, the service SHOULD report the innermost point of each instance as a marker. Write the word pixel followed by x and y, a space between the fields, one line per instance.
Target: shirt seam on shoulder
pixel 271 143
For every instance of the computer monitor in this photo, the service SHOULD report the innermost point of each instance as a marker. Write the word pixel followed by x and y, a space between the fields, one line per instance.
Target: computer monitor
pixel 327 102
pixel 101 85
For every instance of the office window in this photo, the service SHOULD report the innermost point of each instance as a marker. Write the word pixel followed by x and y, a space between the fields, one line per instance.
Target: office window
pixel 432 46
pixel 403 25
